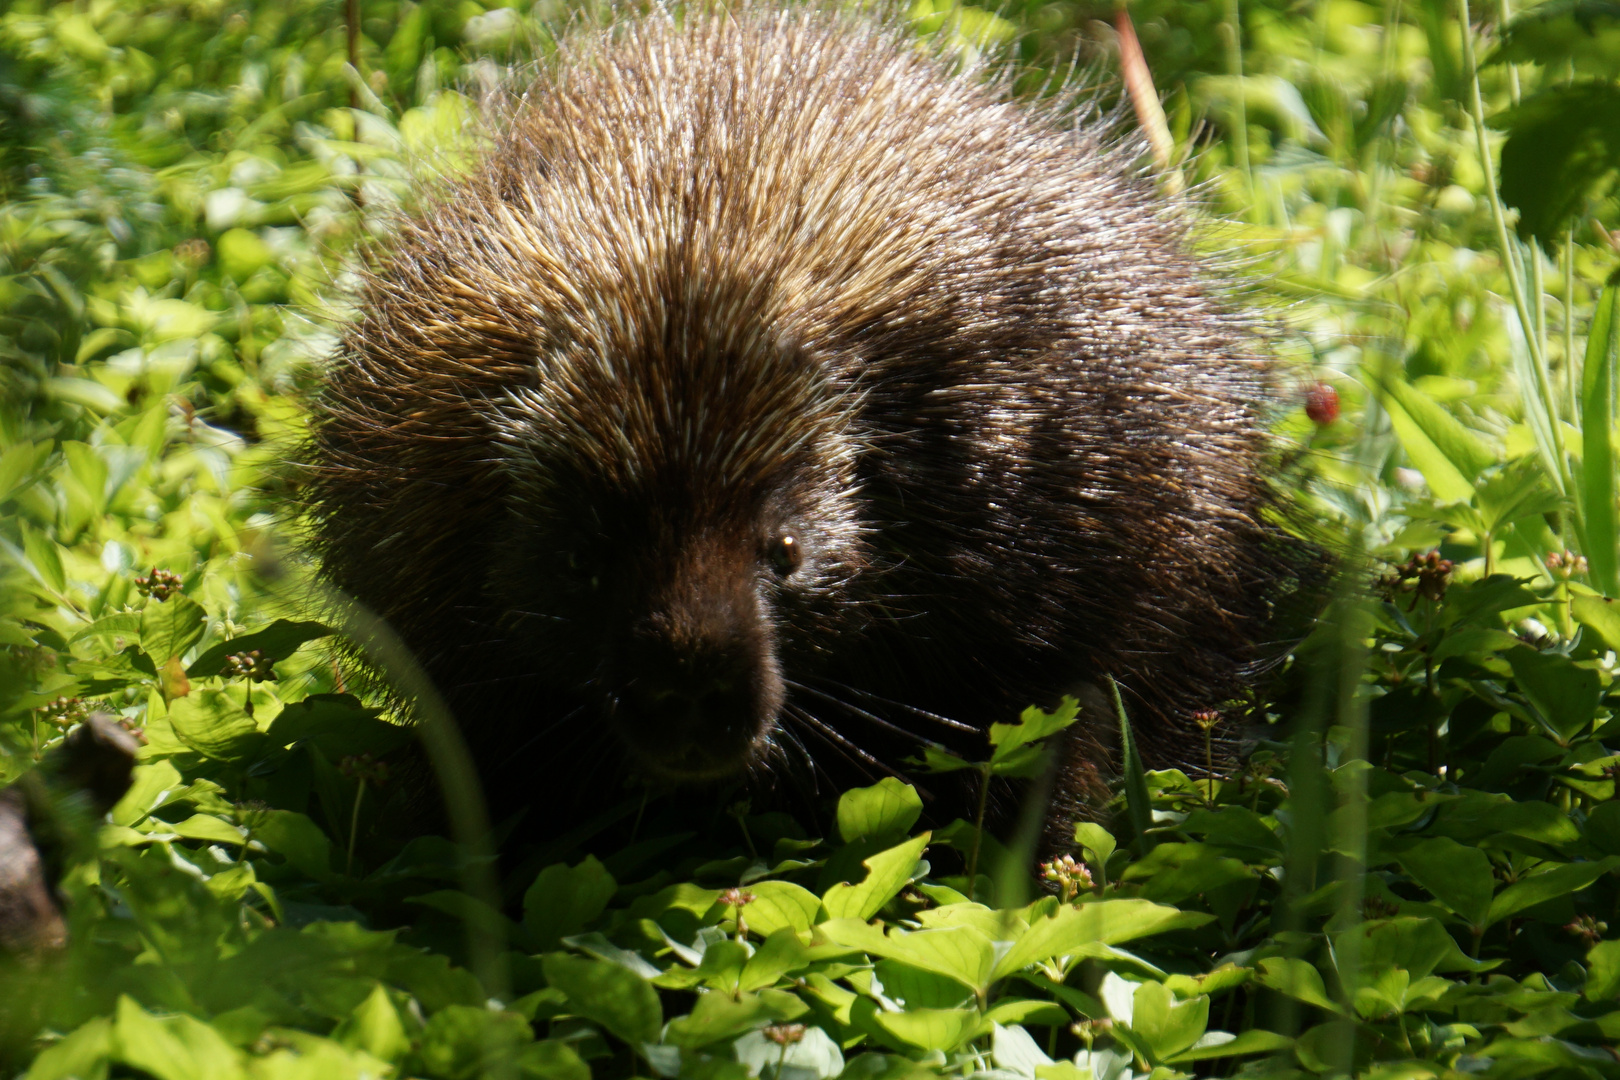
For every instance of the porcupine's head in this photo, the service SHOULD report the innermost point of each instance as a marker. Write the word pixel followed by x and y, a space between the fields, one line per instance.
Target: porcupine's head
pixel 679 520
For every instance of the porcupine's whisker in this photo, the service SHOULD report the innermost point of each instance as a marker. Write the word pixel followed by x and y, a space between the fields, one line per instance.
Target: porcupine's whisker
pixel 858 711
pixel 840 745
pixel 830 735
pixel 548 728
pixel 780 749
pixel 954 725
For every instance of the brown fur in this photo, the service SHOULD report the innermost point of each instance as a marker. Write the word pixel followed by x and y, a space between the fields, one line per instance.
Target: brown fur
pixel 784 273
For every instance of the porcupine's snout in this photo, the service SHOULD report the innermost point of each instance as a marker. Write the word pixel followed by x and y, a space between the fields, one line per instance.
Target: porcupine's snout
pixel 695 682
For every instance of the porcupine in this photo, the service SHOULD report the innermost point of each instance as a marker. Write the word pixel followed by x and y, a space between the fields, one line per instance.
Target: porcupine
pixel 770 398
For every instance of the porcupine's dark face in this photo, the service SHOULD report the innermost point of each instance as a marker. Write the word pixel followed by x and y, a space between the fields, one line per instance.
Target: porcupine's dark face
pixel 675 577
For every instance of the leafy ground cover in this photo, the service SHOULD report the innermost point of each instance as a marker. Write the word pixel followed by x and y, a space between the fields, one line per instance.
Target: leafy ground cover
pixel 1410 874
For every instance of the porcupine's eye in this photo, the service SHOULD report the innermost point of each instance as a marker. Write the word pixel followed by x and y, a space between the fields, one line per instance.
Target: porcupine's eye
pixel 784 553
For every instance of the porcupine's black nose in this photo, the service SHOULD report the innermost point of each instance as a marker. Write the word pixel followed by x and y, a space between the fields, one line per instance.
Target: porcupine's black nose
pixel 696 710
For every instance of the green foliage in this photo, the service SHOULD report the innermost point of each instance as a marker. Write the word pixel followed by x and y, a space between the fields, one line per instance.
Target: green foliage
pixel 1411 873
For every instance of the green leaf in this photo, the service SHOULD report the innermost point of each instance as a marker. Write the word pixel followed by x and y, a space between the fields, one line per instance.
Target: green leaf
pixel 472 1041
pixel 1167 1028
pixel 1096 840
pixel 1583 32
pixel 1603 971
pixel 277 641
pixel 212 723
pixel 1459 877
pixel 1600 385
pixel 1562 151
pixel 1014 752
pixel 887 809
pixel 718 1016
pixel 961 953
pixel 1072 930
pixel 934 1029
pixel 1565 696
pixel 375 1027
pixel 781 905
pixel 1538 888
pixel 887 873
pixel 1221 1044
pixel 563 901
pixel 44 557
pixel 624 1003
pixel 172 1047
pixel 781 953
pixel 1415 945
pixel 1298 979
pixel 1138 804
pixel 170 627
pixel 296 838
pixel 82 1055
pixel 1603 827
pixel 1449 455
pixel 1601 615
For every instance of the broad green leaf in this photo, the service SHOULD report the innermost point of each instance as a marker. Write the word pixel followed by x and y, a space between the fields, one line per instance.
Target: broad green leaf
pixel 958 952
pixel 934 1029
pixel 241 253
pixel 1298 979
pixel 624 1003
pixel 472 1041
pixel 210 829
pixel 887 873
pixel 375 1027
pixel 780 953
pixel 44 557
pixel 1583 32
pixel 1603 827
pixel 1447 454
pixel 294 837
pixel 887 809
pixel 277 641
pixel 1096 840
pixel 564 900
pixel 82 1055
pixel 1538 888
pixel 1099 922
pixel 172 1047
pixel 1014 753
pixel 1600 385
pixel 1562 152
pixel 1599 614
pixel 1221 1044
pixel 1417 946
pixel 1603 971
pixel 717 1016
pixel 1459 877
pixel 780 904
pixel 1565 696
pixel 212 723
pixel 1164 1026
pixel 170 627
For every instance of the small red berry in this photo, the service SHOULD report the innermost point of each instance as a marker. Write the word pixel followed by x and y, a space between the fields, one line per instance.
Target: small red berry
pixel 1322 404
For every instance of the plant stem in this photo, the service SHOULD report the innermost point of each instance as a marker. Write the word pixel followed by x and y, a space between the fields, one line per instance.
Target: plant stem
pixel 1233 28
pixel 354 826
pixel 978 831
pixel 1510 260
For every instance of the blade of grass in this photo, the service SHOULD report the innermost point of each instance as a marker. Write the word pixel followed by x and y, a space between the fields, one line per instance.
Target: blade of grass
pixel 1138 805
pixel 1597 489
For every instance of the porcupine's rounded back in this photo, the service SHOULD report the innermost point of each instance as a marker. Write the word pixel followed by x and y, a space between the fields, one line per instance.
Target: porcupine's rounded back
pixel 769 392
